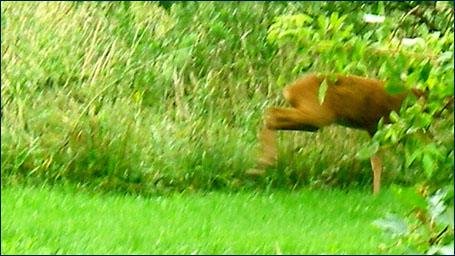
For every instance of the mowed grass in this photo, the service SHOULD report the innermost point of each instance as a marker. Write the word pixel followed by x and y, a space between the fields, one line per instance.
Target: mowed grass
pixel 60 220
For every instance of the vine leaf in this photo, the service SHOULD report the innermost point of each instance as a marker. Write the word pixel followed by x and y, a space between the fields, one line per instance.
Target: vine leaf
pixel 322 91
pixel 368 151
pixel 394 224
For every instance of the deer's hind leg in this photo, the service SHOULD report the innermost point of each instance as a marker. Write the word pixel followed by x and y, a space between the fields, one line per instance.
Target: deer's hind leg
pixel 376 165
pixel 287 119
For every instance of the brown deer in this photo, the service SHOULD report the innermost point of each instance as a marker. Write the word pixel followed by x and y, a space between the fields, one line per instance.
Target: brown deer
pixel 349 101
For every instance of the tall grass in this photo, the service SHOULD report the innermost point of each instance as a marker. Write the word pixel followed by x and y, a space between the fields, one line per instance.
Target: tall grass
pixel 130 96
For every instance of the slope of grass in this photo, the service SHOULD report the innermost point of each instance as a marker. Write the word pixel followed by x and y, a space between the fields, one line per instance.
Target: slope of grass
pixel 63 221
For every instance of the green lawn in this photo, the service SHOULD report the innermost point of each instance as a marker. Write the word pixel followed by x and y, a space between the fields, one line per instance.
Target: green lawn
pixel 61 221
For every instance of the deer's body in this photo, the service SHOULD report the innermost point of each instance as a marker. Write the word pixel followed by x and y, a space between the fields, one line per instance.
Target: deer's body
pixel 350 101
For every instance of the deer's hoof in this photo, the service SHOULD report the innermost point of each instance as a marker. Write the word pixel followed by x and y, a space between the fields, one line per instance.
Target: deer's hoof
pixel 255 172
pixel 266 161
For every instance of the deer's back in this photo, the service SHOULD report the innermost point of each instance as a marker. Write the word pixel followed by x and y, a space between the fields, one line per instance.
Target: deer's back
pixel 352 101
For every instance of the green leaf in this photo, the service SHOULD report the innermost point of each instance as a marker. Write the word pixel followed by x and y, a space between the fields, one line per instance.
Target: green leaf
pixel 332 78
pixel 394 117
pixel 441 250
pixel 322 90
pixel 362 67
pixel 334 19
pixel 447 90
pixel 347 31
pixel 428 164
pixel 272 35
pixel 341 20
pixel 412 79
pixel 400 62
pixel 414 156
pixel 291 32
pixel 368 151
pixel 409 197
pixel 301 19
pixel 445 56
pixel 422 121
pixel 381 123
pixel 393 224
pixel 380 9
pixel 410 100
pixel 425 72
pixel 437 206
pixel 449 193
pixel 395 86
pixel 322 23
pixel 445 218
pixel 414 110
pixel 433 150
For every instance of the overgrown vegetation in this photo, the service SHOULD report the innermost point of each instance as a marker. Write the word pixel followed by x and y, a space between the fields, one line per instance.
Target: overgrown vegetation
pixel 134 97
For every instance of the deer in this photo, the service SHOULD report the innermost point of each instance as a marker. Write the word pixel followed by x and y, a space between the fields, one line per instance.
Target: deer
pixel 350 101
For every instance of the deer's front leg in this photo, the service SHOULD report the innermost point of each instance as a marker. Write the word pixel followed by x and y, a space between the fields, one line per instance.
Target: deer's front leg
pixel 278 119
pixel 268 149
pixel 285 119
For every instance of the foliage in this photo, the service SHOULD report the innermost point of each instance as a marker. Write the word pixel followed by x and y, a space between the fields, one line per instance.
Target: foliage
pixel 428 227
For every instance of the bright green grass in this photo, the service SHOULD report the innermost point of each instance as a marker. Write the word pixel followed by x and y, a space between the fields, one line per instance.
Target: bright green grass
pixel 60 221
